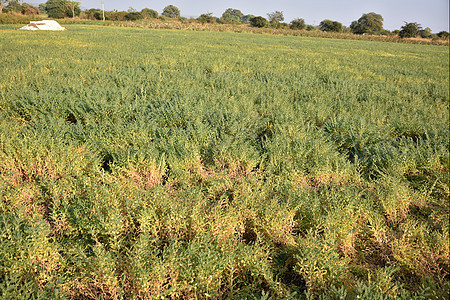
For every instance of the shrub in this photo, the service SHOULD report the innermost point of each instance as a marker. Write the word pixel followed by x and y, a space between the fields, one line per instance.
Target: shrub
pixel 151 13
pixel 425 33
pixel 298 24
pixel 443 35
pixel 283 25
pixel 206 18
pixel 99 16
pixel 320 264
pixel 133 16
pixel 117 15
pixel 259 22
pixel 332 26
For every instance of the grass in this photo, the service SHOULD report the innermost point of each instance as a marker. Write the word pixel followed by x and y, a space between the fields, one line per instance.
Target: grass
pixel 140 164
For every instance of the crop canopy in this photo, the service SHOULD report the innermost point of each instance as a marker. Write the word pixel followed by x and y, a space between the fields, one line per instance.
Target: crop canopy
pixel 43 25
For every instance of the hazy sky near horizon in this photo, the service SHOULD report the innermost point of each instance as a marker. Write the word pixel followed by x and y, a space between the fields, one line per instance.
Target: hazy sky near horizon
pixel 428 13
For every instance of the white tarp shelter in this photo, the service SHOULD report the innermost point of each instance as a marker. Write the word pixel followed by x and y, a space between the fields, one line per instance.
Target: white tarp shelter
pixel 43 25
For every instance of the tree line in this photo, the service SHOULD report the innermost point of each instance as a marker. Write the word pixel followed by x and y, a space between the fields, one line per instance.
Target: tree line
pixel 18 8
pixel 369 23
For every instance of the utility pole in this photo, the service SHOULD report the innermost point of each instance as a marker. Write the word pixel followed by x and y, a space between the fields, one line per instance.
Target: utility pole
pixel 103 9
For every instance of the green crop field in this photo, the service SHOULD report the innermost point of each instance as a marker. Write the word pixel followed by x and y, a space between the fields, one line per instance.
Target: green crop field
pixel 171 164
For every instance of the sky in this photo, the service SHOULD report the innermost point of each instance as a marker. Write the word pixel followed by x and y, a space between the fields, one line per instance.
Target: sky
pixel 428 13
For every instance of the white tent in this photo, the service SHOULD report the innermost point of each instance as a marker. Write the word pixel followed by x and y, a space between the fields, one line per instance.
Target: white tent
pixel 43 25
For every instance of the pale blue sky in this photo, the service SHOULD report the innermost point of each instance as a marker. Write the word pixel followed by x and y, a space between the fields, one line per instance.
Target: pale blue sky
pixel 428 13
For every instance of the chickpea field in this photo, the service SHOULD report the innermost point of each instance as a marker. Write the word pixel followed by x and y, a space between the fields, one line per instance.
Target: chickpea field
pixel 172 164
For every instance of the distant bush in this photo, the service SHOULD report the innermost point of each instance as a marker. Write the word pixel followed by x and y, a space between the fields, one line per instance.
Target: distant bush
pixel 425 33
pixel 259 22
pixel 443 35
pixel 133 16
pixel 117 15
pixel 99 16
pixel 206 18
pixel 283 25
pixel 331 26
pixel 298 24
pixel 151 13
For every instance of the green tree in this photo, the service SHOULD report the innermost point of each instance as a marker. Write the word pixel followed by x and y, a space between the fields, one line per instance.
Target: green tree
pixel 275 18
pixel 332 26
pixel 55 8
pixel 171 11
pixel 13 6
pixel 59 9
pixel 151 13
pixel 298 24
pixel 410 30
pixel 232 15
pixel 259 22
pixel 73 7
pixel 370 23
pixel 17 7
